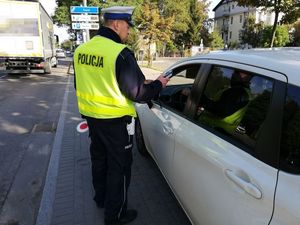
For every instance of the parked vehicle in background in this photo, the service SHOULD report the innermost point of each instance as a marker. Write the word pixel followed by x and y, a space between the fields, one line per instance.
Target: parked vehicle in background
pixel 27 40
pixel 225 134
pixel 60 53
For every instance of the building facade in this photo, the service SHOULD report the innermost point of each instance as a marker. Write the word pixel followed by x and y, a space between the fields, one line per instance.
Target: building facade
pixel 230 18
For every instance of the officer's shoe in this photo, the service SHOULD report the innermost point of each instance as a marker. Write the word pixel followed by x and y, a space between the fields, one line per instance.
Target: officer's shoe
pixel 129 216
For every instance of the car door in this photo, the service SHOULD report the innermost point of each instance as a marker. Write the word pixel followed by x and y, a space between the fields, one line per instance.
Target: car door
pixel 165 116
pixel 287 199
pixel 220 177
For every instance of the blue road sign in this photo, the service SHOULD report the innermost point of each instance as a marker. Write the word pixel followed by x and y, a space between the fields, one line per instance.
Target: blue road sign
pixel 84 9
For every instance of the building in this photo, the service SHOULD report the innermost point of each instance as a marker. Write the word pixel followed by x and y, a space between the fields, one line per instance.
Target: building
pixel 229 19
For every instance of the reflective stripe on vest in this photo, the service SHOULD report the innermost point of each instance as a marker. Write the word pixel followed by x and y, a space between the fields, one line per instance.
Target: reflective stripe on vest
pixel 228 123
pixel 97 89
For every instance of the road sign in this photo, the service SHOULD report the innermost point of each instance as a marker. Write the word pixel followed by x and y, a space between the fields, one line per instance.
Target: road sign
pixel 85 18
pixel 84 9
pixel 85 26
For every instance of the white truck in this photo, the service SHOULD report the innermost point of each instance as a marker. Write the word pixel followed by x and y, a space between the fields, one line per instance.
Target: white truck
pixel 27 40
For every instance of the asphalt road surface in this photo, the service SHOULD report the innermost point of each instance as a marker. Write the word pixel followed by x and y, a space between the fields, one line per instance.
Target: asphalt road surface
pixel 30 107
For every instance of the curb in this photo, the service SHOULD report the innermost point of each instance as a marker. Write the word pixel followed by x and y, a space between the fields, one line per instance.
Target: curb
pixel 46 207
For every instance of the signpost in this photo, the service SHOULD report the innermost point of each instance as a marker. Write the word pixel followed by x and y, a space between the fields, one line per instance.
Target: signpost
pixel 82 20
pixel 85 18
pixel 84 9
pixel 85 26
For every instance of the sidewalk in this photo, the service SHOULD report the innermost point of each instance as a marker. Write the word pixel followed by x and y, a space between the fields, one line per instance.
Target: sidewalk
pixel 68 193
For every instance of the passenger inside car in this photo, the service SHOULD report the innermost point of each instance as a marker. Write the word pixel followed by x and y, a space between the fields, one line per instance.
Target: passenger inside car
pixel 226 110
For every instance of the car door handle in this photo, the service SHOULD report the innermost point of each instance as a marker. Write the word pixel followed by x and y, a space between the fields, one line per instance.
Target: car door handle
pixel 245 185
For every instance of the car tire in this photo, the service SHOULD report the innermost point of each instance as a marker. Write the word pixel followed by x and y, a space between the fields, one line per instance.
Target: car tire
pixel 140 139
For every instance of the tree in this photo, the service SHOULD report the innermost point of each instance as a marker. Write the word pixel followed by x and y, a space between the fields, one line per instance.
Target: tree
pixel 276 6
pixel 152 26
pixel 62 12
pixel 281 38
pixel 188 22
pixel 67 44
pixel 296 33
pixel 133 41
pixel 198 16
pixel 251 32
pixel 180 25
pixel 291 16
pixel 216 41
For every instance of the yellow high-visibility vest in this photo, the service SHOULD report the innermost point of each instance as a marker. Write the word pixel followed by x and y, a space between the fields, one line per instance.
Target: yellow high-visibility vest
pixel 97 89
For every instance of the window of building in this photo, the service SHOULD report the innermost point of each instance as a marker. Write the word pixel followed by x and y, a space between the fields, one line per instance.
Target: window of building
pixel 223 21
pixel 231 20
pixel 235 104
pixel 241 18
pixel 232 6
pixel 290 141
pixel 230 35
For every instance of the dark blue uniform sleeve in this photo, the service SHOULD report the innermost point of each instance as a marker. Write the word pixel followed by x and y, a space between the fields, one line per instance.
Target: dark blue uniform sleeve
pixel 131 79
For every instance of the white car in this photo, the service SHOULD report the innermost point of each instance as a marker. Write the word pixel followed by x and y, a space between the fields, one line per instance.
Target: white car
pixel 225 134
pixel 60 53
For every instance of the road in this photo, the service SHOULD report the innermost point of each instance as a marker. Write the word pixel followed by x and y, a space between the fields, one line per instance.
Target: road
pixel 30 108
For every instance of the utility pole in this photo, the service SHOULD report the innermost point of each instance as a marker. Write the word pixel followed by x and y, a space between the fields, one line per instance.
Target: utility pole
pixel 86 33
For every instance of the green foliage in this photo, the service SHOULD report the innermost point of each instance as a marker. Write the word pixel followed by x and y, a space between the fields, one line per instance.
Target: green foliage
pixel 152 26
pixel 133 41
pixel 197 9
pixel 234 45
pixel 281 36
pixel 276 6
pixel 61 16
pixel 67 44
pixel 164 21
pixel 251 32
pixel 189 18
pixel 216 41
pixel 171 48
pixel 296 33
pixel 169 8
pixel 291 15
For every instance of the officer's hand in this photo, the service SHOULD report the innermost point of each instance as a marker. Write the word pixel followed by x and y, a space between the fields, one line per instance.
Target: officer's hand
pixel 148 81
pixel 163 80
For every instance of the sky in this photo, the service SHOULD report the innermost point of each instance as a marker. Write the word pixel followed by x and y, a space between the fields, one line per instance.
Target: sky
pixel 213 5
pixel 50 5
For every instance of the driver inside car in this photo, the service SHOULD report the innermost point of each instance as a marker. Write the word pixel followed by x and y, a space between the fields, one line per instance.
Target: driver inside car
pixel 228 107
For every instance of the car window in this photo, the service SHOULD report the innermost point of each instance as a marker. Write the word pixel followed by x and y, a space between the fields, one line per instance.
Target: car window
pixel 235 103
pixel 175 95
pixel 290 140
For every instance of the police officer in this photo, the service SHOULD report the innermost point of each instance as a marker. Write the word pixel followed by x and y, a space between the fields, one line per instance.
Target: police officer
pixel 108 81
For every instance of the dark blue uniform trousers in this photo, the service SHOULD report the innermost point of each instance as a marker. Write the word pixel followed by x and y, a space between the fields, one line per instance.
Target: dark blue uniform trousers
pixel 111 156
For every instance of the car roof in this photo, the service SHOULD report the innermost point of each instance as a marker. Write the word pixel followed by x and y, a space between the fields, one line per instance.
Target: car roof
pixel 282 60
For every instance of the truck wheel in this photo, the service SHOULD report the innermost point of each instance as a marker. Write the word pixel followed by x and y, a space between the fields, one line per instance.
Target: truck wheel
pixel 140 139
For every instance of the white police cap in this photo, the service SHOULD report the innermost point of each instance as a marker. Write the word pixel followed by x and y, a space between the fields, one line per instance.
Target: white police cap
pixel 119 13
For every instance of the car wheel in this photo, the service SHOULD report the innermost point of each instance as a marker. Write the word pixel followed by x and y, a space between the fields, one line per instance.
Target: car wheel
pixel 140 139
